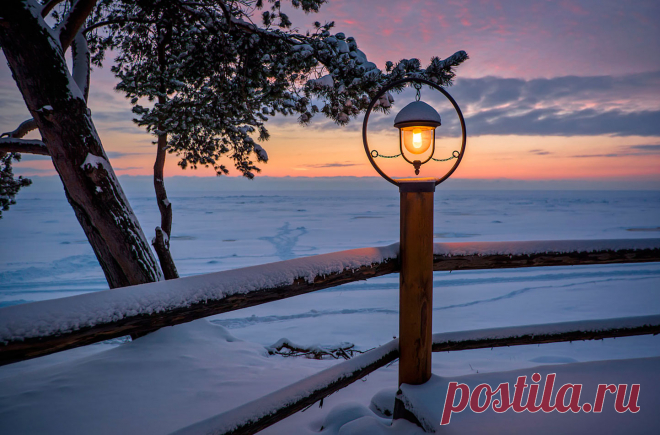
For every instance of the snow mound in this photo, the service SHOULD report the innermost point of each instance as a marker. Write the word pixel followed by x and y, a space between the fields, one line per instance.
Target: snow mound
pixel 426 401
pixel 383 402
pixel 342 414
pixel 351 418
pixel 166 380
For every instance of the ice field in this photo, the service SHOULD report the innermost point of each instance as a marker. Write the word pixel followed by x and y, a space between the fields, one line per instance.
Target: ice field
pixel 151 385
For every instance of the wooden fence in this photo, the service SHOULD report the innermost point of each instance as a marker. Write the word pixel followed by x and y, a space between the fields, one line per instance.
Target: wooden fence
pixel 269 409
pixel 45 327
pixel 41 328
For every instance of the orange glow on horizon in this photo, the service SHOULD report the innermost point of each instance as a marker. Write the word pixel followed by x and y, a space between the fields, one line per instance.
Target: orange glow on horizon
pixel 296 151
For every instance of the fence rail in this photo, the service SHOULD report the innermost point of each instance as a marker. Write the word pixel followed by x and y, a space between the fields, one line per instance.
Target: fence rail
pixel 269 409
pixel 45 327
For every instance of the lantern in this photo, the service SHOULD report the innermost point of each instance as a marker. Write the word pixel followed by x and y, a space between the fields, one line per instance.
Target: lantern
pixel 416 122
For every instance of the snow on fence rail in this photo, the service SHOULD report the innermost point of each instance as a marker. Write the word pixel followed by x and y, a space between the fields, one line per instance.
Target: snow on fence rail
pixel 44 327
pixel 269 409
pixel 504 255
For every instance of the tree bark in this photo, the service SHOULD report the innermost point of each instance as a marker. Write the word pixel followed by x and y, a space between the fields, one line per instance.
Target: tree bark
pixel 57 105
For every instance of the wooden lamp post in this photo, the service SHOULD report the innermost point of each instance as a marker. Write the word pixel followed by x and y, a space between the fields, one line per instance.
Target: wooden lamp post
pixel 416 123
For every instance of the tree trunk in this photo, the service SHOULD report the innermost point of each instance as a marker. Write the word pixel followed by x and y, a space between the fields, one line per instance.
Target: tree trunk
pixel 39 68
pixel 161 242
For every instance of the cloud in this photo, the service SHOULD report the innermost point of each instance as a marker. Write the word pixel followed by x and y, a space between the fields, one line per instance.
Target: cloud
pixel 625 151
pixel 513 38
pixel 612 91
pixel 540 152
pixel 22 169
pixel 110 117
pixel 560 106
pixel 28 157
pixel 332 165
pixel 119 154
pixel 596 155
pixel 555 122
pixel 651 148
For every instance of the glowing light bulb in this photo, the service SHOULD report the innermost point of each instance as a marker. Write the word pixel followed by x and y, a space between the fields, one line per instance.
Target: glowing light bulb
pixel 417 138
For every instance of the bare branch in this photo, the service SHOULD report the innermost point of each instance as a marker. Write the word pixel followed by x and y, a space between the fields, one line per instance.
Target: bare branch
pixel 291 38
pixel 225 11
pixel 15 145
pixel 74 21
pixel 243 25
pixel 22 130
pixel 49 7
pixel 286 348
pixel 117 21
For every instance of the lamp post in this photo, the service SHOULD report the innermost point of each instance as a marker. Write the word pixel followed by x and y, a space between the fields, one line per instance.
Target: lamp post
pixel 417 123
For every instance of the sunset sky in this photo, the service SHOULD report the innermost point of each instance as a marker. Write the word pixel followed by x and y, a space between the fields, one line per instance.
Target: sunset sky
pixel 552 90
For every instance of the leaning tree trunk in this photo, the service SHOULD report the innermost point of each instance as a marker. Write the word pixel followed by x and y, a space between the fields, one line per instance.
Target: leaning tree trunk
pixel 39 68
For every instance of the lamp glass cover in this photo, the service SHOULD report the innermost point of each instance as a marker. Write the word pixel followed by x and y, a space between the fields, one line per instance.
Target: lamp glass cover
pixel 417 139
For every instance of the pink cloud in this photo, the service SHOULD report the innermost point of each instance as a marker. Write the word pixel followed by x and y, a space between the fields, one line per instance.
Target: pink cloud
pixel 512 38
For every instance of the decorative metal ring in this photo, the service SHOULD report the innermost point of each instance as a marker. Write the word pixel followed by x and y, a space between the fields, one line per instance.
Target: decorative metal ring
pixel 374 153
pixel 420 81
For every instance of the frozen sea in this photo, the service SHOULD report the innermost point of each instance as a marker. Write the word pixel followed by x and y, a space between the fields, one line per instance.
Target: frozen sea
pixel 180 375
pixel 44 253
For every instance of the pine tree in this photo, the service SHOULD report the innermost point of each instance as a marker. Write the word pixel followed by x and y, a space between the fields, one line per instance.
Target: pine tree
pixel 204 78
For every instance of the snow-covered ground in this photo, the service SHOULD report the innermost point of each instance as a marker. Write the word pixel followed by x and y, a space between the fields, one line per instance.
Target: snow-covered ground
pixel 178 376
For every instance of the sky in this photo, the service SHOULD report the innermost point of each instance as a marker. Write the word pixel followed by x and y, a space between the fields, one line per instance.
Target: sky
pixel 553 90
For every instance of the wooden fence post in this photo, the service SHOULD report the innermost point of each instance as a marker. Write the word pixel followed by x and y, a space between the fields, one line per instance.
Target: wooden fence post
pixel 415 287
pixel 416 281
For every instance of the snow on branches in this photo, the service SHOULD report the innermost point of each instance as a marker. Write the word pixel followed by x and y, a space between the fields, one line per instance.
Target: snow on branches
pixel 11 145
pixel 9 185
pixel 208 76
